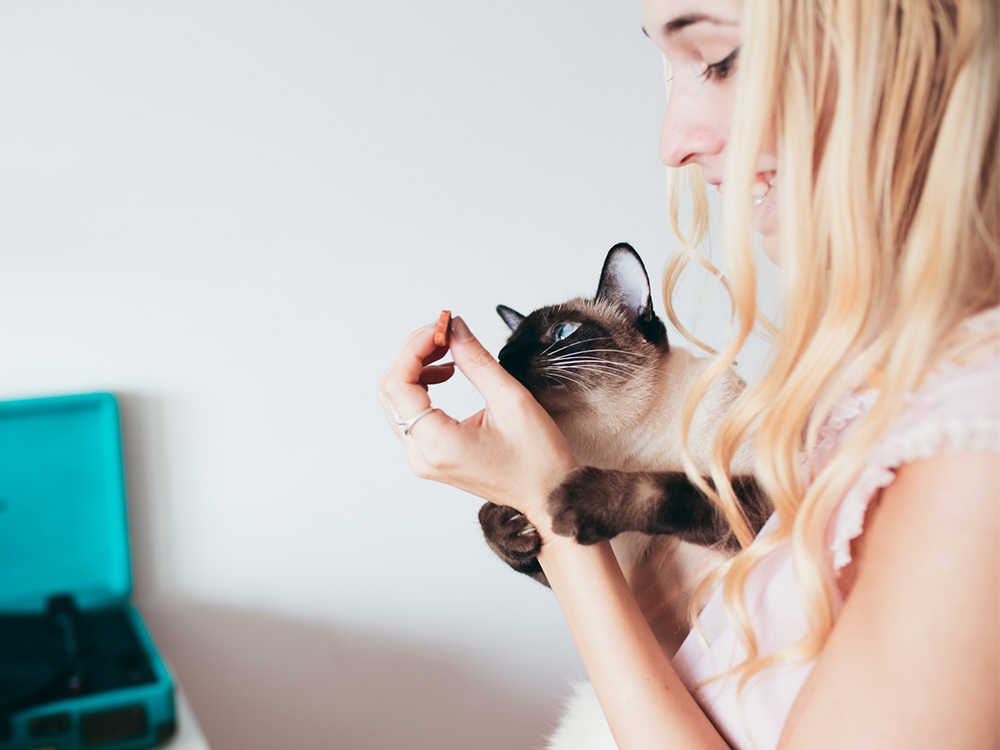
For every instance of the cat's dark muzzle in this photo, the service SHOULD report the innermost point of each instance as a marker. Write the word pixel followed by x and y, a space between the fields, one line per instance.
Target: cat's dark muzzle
pixel 519 368
pixel 552 393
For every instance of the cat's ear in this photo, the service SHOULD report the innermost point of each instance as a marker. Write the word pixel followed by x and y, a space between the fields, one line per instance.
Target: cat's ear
pixel 624 280
pixel 511 317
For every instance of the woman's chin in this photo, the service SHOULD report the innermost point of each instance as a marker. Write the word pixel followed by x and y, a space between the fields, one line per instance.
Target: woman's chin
pixel 764 218
pixel 769 243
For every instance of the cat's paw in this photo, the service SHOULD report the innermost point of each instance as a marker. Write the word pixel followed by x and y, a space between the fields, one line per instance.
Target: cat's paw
pixel 511 536
pixel 581 506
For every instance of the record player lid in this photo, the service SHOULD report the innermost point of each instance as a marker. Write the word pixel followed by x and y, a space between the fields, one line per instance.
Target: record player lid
pixel 63 527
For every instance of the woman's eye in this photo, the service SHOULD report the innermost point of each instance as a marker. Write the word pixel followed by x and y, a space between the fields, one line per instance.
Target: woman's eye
pixel 563 330
pixel 724 67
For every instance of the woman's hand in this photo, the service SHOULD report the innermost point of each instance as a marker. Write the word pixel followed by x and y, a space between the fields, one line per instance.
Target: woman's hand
pixel 510 453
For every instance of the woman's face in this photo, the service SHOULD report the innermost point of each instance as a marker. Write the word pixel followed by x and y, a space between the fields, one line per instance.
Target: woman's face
pixel 701 40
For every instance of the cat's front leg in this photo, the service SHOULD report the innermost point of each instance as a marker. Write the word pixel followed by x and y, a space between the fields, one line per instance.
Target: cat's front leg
pixel 512 537
pixel 598 504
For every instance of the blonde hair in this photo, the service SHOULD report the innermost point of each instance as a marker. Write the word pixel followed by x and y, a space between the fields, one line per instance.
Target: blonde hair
pixel 885 115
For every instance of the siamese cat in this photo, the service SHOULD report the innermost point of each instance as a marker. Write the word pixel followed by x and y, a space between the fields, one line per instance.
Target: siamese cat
pixel 604 371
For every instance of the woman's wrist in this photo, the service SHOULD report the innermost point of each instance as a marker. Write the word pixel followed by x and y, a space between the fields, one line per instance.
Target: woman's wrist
pixel 562 552
pixel 542 522
pixel 536 508
pixel 645 702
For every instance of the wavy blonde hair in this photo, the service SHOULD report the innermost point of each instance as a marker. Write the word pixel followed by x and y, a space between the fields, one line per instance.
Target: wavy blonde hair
pixel 885 118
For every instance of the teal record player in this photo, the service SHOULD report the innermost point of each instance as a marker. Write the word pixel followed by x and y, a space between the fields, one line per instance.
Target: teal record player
pixel 77 667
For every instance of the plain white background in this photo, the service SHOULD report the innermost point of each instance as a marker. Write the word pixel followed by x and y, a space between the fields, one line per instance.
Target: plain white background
pixel 230 214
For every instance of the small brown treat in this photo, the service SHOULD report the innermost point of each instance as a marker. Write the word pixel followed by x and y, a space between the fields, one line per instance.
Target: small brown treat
pixel 441 330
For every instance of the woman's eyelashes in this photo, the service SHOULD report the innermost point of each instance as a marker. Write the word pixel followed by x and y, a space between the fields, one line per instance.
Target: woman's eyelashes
pixel 723 68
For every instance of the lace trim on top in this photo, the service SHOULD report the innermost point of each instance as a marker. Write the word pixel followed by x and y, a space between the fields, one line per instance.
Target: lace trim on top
pixel 925 439
pixel 849 408
pixel 987 320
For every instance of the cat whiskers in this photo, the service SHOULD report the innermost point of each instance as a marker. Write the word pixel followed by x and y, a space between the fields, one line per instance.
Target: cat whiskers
pixel 618 375
pixel 580 362
pixel 560 377
pixel 574 349
pixel 566 343
pixel 582 359
pixel 561 372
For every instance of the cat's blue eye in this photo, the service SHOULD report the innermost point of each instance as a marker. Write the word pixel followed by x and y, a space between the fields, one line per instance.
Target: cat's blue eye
pixel 563 330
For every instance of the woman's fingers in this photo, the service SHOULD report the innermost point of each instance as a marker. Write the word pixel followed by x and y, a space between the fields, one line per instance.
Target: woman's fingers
pixel 434 356
pixel 510 452
pixel 479 366
pixel 434 374
pixel 403 391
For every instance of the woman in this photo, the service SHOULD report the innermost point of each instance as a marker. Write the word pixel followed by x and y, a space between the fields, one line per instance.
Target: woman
pixel 859 138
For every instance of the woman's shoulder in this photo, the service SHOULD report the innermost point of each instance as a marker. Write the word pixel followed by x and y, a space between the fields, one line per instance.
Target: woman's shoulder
pixel 968 380
pixel 956 410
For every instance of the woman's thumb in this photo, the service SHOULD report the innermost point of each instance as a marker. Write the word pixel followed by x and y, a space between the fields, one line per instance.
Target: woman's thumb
pixel 477 364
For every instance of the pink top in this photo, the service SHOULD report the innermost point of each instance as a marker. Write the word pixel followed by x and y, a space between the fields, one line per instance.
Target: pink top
pixel 957 410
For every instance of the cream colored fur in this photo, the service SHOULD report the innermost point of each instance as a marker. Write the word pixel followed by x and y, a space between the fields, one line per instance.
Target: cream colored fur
pixel 662 571
pixel 645 436
pixel 583 726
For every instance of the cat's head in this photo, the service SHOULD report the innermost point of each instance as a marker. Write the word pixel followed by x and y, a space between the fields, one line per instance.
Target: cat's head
pixel 590 353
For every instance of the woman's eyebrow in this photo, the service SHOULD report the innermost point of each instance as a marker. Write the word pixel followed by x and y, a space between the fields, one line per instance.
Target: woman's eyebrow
pixel 689 19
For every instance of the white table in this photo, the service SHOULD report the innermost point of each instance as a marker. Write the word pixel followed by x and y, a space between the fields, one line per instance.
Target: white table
pixel 188 736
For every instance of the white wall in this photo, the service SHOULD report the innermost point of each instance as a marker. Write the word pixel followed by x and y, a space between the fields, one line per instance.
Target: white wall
pixel 231 214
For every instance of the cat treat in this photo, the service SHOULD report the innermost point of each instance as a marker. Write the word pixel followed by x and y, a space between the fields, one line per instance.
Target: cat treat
pixel 441 330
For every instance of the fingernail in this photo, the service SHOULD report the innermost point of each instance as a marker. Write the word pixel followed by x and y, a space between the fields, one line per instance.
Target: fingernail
pixel 459 330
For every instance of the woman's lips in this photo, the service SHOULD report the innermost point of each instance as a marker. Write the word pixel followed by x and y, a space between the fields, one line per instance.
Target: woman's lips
pixel 762 185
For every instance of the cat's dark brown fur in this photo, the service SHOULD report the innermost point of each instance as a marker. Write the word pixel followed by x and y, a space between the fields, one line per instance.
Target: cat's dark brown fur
pixel 605 372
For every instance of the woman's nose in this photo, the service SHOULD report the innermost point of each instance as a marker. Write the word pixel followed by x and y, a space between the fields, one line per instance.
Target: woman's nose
pixel 689 133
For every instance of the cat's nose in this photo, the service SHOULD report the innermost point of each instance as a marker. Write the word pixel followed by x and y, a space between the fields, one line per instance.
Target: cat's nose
pixel 504 359
pixel 512 364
